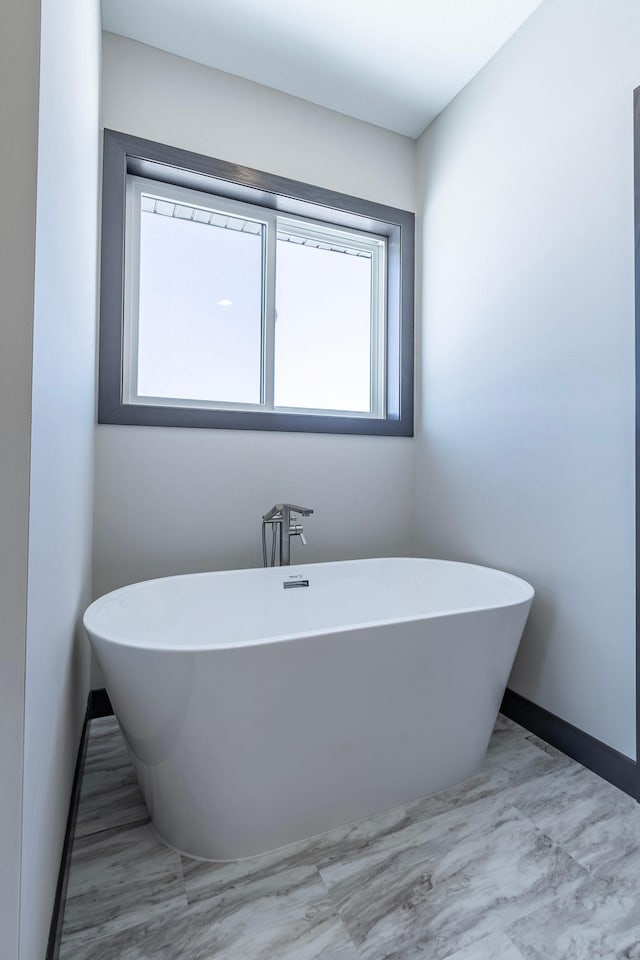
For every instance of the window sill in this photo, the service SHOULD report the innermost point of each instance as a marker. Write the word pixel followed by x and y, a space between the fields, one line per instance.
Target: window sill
pixel 149 416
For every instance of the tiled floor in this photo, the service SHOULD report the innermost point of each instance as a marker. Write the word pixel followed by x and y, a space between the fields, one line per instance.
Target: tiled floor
pixel 535 857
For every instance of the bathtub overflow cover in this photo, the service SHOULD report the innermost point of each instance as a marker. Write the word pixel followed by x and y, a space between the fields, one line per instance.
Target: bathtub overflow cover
pixel 295 581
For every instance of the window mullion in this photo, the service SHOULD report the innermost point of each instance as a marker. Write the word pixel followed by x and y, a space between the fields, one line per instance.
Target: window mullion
pixel 269 314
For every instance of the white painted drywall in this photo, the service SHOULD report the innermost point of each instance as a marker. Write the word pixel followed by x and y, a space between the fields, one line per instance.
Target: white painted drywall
pixel 397 68
pixel 62 440
pixel 526 450
pixel 176 500
pixel 19 43
pixel 157 95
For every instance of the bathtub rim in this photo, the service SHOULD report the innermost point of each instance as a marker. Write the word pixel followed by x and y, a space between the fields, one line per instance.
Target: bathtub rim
pixel 104 636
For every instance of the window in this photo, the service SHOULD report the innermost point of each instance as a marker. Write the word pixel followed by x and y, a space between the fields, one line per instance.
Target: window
pixel 235 299
pixel 231 306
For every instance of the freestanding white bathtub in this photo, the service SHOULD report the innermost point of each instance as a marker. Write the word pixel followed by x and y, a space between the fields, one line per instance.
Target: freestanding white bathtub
pixel 258 714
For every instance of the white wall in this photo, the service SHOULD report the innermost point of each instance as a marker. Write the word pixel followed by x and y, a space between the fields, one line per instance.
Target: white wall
pixel 174 500
pixel 19 40
pixel 526 452
pixel 62 432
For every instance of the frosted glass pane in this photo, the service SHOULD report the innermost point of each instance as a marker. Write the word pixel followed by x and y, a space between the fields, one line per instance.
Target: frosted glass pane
pixel 323 329
pixel 200 313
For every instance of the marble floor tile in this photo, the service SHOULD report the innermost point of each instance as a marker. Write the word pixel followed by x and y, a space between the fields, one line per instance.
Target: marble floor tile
pixel 129 941
pixel 109 794
pixel 497 947
pixel 106 749
pixel 596 823
pixel 105 803
pixel 468 874
pixel 118 879
pixel 600 920
pixel 523 757
pixel 285 916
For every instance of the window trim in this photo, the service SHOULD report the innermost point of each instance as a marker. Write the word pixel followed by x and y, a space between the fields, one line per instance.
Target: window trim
pixel 127 155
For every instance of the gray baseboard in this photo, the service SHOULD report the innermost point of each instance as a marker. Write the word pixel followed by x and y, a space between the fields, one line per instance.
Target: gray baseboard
pixel 608 763
pixel 100 704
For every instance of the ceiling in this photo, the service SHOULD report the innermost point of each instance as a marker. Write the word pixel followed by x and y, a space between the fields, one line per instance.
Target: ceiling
pixel 395 63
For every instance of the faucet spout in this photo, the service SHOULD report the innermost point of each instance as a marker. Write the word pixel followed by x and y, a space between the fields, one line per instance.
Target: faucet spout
pixel 279 508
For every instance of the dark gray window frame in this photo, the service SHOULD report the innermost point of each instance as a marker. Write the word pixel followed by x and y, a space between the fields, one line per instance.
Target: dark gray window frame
pixel 125 154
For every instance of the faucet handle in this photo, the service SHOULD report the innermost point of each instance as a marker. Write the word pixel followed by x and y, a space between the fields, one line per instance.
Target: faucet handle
pixel 296 530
